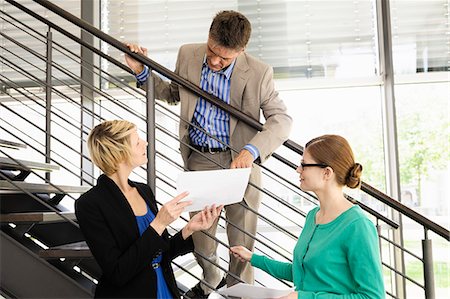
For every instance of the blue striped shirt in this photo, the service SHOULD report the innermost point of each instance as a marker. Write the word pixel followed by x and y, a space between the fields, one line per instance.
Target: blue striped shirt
pixel 212 119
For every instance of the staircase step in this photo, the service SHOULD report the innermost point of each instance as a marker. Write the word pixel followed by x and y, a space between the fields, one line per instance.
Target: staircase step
pixel 7 187
pixel 73 250
pixel 11 144
pixel 36 217
pixel 10 164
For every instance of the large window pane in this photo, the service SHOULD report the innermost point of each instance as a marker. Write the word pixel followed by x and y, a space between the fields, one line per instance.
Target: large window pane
pixel 289 35
pixel 353 112
pixel 420 35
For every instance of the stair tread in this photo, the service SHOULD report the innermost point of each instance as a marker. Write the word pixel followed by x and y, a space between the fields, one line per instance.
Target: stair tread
pixel 36 217
pixel 72 250
pixel 11 144
pixel 7 187
pixel 10 164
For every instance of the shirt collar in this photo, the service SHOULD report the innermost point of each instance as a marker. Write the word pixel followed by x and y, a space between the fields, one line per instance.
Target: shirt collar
pixel 226 72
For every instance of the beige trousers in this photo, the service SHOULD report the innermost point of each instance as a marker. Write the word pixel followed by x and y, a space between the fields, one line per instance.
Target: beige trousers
pixel 236 214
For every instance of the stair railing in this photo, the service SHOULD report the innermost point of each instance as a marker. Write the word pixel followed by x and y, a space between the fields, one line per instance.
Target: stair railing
pixel 425 222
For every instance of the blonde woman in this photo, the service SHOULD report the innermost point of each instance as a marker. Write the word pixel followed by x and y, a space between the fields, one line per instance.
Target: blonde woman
pixel 122 225
pixel 337 253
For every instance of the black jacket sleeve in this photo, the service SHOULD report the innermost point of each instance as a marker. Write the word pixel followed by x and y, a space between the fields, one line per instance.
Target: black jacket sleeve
pixel 119 265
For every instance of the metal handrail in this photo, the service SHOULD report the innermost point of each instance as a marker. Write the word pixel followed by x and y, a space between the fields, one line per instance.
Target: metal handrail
pixel 427 223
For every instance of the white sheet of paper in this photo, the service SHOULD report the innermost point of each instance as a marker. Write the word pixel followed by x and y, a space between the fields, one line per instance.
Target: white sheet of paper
pixel 225 186
pixel 252 291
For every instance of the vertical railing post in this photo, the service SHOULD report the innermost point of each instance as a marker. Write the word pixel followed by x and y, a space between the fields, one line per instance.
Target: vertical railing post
pixel 48 100
pixel 151 135
pixel 428 273
pixel 87 93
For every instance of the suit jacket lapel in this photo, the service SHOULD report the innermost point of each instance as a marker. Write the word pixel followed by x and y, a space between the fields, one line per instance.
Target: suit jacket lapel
pixel 239 79
pixel 120 203
pixel 194 75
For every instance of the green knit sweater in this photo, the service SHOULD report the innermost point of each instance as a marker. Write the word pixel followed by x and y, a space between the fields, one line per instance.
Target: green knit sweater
pixel 339 259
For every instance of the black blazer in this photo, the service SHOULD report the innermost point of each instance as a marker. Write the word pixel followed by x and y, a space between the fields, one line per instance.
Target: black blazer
pixel 110 228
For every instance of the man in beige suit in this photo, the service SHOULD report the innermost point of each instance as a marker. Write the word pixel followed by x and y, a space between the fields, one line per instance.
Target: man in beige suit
pixel 221 67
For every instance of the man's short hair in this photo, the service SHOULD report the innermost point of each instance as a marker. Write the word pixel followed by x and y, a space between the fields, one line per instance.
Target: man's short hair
pixel 109 144
pixel 230 29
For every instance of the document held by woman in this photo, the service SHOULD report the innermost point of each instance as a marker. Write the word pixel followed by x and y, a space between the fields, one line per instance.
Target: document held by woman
pixel 220 187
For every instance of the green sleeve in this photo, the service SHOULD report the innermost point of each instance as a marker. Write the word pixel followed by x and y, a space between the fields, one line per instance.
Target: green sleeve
pixel 277 269
pixel 364 260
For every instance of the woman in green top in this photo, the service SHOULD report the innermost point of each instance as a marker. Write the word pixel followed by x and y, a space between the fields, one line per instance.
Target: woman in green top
pixel 337 254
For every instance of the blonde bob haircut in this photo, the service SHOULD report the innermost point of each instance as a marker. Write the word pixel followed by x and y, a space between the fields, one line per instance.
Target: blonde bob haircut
pixel 109 144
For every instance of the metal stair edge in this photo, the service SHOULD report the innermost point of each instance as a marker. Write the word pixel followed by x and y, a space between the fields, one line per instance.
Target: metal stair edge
pixel 21 267
pixel 40 217
pixel 7 187
pixel 72 250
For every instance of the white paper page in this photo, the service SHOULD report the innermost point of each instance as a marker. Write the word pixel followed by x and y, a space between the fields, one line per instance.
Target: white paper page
pixel 225 186
pixel 252 291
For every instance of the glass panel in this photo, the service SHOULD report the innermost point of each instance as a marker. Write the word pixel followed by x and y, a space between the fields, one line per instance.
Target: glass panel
pixel 289 35
pixel 420 34
pixel 423 134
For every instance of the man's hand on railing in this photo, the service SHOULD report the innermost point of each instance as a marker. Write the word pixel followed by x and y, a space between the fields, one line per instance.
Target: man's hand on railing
pixel 241 253
pixel 243 160
pixel 135 65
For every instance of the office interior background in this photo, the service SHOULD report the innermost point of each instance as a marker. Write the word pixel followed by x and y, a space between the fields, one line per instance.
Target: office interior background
pixel 339 71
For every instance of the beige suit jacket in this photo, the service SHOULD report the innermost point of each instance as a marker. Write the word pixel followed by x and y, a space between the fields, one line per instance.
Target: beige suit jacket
pixel 252 91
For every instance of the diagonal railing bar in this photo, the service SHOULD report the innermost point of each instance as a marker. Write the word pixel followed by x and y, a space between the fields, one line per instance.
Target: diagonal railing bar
pixel 73 76
pixel 257 281
pixel 117 102
pixel 41 105
pixel 19 90
pixel 410 213
pixel 62 95
pixel 68 34
pixel 42 130
pixel 392 295
pixel 400 247
pixel 402 275
pixel 204 282
pixel 43 154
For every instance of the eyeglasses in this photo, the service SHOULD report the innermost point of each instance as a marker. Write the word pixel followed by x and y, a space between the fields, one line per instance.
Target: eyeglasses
pixel 222 59
pixel 321 165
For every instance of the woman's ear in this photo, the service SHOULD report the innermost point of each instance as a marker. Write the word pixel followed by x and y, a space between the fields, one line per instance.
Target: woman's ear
pixel 328 173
